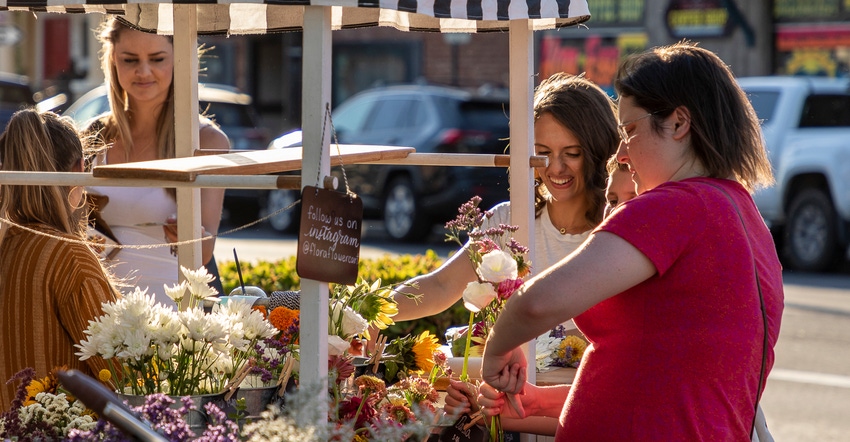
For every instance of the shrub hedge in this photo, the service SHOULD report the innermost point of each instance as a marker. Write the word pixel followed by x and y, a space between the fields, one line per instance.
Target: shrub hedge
pixel 391 269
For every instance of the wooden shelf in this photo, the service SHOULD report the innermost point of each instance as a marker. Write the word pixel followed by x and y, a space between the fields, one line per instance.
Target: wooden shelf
pixel 256 162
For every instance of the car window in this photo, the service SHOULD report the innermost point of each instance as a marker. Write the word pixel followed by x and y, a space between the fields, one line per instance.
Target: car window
pixel 352 115
pixel 414 115
pixel 388 114
pixel 764 103
pixel 826 111
pixel 16 94
pixel 484 116
pixel 228 114
pixel 89 110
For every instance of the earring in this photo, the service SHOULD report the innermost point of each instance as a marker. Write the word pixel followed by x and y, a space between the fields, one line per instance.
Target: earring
pixel 76 198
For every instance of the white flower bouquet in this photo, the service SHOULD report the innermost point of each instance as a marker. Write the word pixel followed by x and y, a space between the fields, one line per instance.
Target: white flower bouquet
pixel 151 348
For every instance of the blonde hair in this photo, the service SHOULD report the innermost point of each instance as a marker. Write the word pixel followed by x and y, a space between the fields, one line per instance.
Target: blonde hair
pixel 116 124
pixel 40 142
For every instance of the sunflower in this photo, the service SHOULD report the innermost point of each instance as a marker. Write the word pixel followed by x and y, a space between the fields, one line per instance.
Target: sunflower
pixel 37 386
pixel 423 348
pixel 572 349
pixel 47 384
pixel 378 310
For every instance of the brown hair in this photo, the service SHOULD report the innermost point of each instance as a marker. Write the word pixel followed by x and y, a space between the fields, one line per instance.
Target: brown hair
pixel 589 113
pixel 40 142
pixel 725 133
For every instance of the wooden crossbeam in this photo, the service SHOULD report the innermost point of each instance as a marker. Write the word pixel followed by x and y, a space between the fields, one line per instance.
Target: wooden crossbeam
pixel 243 163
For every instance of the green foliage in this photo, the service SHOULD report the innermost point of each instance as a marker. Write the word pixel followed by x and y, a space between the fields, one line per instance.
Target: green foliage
pixel 391 269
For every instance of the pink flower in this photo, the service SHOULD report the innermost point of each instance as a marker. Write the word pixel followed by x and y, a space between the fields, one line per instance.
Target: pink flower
pixel 508 287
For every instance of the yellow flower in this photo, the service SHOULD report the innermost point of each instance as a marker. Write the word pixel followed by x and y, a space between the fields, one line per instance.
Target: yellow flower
pixel 104 375
pixel 578 346
pixel 378 310
pixel 35 387
pixel 423 349
pixel 476 347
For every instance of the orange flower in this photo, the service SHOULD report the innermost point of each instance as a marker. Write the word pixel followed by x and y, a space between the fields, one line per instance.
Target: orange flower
pixel 262 309
pixel 283 318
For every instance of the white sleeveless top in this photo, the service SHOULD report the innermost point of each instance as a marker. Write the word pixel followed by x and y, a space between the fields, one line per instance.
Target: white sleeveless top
pixel 131 213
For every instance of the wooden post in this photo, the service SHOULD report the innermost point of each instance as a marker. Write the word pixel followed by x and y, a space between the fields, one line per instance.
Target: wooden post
pixel 186 131
pixel 316 95
pixel 522 148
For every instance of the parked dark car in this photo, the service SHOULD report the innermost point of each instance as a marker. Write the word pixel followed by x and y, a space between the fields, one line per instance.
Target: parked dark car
pixel 15 93
pixel 432 119
pixel 233 112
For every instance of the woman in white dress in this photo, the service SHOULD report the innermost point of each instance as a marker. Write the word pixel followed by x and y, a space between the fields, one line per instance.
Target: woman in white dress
pixel 575 127
pixel 139 71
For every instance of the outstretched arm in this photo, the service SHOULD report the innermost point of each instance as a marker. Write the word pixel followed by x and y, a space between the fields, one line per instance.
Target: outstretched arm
pixel 435 291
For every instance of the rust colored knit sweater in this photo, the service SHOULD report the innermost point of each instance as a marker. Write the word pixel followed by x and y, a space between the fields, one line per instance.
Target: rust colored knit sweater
pixel 49 290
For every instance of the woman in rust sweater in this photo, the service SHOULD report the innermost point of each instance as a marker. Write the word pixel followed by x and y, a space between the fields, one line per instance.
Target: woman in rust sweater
pixel 49 287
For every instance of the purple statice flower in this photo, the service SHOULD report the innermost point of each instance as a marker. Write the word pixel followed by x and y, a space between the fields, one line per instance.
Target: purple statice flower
pixel 265 375
pixel 508 227
pixel 517 248
pixel 219 429
pixel 103 431
pixel 13 419
pixel 493 232
pixel 558 332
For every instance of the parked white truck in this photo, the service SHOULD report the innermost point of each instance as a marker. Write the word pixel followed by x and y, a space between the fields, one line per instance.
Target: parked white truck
pixel 806 125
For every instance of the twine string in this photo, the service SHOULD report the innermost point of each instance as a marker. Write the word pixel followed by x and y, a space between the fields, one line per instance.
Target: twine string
pixel 147 246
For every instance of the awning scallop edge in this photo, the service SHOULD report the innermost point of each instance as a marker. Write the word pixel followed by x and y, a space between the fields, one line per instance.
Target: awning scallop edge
pixel 238 18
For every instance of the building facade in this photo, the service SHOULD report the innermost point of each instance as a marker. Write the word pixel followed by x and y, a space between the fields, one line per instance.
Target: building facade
pixel 755 37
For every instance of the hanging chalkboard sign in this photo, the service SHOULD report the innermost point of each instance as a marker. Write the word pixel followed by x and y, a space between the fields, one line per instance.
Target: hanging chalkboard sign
pixel 329 237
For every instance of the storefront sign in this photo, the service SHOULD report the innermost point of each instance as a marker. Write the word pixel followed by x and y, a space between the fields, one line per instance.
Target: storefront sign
pixel 787 11
pixel 620 13
pixel 697 19
pixel 329 236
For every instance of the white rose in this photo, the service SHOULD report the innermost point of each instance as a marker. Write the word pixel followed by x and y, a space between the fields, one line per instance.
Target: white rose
pixel 350 322
pixel 337 345
pixel 477 295
pixel 497 266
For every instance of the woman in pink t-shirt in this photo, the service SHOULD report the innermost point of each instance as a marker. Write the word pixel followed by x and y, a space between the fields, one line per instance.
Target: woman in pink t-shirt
pixel 682 329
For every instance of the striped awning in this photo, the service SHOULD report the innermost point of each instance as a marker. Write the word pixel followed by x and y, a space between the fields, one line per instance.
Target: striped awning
pixel 259 17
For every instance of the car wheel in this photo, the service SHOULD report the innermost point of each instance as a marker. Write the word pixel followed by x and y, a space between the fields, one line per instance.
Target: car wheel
pixel 401 216
pixel 286 221
pixel 811 237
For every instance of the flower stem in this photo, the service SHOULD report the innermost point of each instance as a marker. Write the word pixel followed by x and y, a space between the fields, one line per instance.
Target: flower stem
pixel 464 376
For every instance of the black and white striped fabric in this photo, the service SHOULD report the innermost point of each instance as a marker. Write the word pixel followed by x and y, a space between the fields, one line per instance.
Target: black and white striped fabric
pixel 260 17
pixel 290 299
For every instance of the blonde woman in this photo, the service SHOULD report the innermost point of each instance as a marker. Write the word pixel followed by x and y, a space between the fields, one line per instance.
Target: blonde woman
pixel 50 288
pixel 139 70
